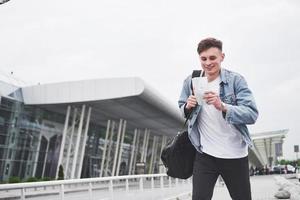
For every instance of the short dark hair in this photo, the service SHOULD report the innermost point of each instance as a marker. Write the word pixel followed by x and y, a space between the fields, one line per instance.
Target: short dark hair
pixel 208 43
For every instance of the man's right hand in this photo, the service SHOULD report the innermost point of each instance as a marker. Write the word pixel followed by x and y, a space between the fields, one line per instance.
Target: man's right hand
pixel 191 102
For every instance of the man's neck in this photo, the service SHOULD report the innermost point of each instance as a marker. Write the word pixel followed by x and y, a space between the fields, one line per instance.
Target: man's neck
pixel 213 76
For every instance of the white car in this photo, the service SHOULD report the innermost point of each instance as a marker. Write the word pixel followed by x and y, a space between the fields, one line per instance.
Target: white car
pixel 290 169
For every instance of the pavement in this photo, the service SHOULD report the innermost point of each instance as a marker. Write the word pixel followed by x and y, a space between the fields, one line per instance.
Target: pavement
pixel 262 188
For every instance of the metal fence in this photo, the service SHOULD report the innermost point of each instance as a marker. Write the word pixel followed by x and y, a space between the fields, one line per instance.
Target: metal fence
pixel 89 186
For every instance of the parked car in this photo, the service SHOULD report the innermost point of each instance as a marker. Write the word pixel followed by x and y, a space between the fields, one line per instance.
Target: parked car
pixel 283 169
pixel 277 170
pixel 290 169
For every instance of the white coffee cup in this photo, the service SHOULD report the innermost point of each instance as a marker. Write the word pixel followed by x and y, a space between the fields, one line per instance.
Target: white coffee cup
pixel 200 85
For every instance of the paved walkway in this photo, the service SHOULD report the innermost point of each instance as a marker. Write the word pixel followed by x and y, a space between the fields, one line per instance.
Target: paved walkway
pixel 262 187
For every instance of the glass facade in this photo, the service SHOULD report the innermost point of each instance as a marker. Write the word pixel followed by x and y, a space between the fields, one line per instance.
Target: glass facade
pixel 29 139
pixel 30 142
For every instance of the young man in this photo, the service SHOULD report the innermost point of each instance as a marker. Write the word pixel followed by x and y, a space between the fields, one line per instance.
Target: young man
pixel 217 126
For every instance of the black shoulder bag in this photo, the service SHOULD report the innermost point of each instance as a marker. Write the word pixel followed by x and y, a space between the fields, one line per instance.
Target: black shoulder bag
pixel 179 153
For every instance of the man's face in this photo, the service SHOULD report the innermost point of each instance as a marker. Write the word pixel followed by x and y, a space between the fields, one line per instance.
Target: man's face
pixel 211 61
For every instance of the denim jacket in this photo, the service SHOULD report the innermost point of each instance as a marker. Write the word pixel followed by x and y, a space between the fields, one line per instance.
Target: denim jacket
pixel 234 92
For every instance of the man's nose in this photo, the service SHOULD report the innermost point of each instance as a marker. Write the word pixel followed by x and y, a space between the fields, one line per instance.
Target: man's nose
pixel 207 62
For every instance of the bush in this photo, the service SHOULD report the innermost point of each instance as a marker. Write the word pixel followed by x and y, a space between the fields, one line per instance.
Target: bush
pixel 61 173
pixel 14 179
pixel 32 179
pixel 46 179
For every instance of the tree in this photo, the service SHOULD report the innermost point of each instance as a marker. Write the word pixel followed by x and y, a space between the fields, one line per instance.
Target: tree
pixel 61 173
pixel 283 162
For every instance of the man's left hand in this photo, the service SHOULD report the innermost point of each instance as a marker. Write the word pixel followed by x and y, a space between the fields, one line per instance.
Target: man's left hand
pixel 212 98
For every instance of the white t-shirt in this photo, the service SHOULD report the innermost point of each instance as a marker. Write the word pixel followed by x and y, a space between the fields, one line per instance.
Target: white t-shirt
pixel 218 138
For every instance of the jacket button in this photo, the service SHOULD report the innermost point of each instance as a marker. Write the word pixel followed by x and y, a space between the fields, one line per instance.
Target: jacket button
pixel 191 126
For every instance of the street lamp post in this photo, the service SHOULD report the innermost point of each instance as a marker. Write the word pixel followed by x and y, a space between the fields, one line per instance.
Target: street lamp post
pixel 296 150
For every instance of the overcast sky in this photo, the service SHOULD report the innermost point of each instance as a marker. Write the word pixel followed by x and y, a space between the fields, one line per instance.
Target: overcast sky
pixel 44 41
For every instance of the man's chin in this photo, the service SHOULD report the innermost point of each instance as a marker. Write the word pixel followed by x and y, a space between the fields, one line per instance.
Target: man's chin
pixel 210 72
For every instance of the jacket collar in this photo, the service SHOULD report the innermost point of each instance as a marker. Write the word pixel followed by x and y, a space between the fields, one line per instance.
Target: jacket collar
pixel 224 76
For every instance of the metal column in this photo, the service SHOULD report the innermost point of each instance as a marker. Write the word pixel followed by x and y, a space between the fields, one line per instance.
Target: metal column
pixel 270 159
pixel 266 150
pixel 45 159
pixel 37 155
pixel 152 155
pixel 74 163
pixel 155 155
pixel 117 147
pixel 62 146
pixel 104 149
pixel 84 142
pixel 67 168
pixel 136 150
pixel 146 147
pixel 110 147
pixel 144 144
pixel 121 148
pixel 132 152
pixel 260 157
pixel 163 143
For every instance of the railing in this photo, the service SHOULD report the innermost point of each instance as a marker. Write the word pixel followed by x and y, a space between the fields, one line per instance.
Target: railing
pixel 90 186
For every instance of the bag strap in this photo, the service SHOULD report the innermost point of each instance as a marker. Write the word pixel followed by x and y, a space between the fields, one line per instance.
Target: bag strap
pixel 196 73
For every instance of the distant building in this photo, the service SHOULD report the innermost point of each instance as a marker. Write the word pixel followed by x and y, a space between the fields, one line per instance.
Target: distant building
pixel 268 146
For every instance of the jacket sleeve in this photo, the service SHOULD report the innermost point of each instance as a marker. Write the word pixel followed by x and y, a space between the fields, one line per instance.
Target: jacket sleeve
pixel 245 110
pixel 185 93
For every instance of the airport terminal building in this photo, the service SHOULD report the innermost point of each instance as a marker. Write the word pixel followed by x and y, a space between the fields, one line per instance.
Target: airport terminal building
pixel 94 128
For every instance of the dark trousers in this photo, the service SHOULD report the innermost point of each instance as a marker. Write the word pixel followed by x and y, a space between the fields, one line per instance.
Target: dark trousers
pixel 235 173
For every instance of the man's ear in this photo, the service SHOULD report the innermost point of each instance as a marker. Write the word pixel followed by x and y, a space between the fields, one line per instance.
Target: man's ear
pixel 223 56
